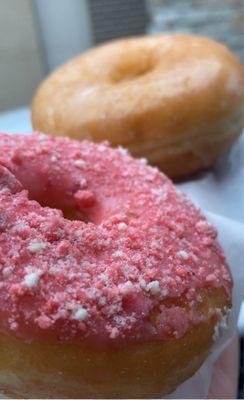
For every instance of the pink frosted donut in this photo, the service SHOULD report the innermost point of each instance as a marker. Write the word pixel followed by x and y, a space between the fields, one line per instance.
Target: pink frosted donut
pixel 122 300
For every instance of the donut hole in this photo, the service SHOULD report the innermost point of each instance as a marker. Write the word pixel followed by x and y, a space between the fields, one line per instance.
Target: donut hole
pixel 70 213
pixel 50 190
pixel 132 68
pixel 54 198
pixel 57 191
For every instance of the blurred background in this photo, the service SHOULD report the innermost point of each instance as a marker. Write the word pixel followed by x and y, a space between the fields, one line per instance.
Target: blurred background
pixel 38 35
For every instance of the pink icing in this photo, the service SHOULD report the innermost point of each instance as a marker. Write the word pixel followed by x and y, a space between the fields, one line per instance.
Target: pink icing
pixel 142 242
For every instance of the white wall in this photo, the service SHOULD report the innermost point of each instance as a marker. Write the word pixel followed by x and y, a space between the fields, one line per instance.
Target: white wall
pixel 21 65
pixel 64 27
pixel 35 37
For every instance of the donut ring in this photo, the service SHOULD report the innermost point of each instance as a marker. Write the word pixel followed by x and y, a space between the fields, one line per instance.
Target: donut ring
pixel 87 309
pixel 174 99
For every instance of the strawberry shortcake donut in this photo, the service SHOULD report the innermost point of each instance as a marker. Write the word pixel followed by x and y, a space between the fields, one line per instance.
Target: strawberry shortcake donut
pixel 111 281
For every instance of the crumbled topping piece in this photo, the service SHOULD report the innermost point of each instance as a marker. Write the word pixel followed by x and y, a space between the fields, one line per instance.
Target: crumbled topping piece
pixel 183 254
pixel 6 272
pixel 122 226
pixel 81 314
pixel 80 163
pixel 31 279
pixel 153 287
pixel 143 161
pixel 35 246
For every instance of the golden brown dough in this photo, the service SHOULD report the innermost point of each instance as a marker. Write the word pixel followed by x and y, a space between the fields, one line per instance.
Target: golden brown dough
pixel 143 370
pixel 174 99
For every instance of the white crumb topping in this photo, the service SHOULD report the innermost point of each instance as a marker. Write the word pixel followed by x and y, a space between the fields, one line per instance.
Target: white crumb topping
pixel 143 283
pixel 42 137
pixel 183 254
pixel 14 326
pixel 102 147
pixel 53 270
pixel 164 292
pixel 126 287
pixel 103 277
pixel 36 246
pixel 154 170
pixel 153 287
pixel 122 226
pixel 122 150
pixel 81 314
pixel 114 333
pixel 80 163
pixel 31 279
pixel 211 278
pixel 6 272
pixel 83 182
pixel 143 161
pixel 53 158
pixel 102 301
pixel 156 243
pixel 160 193
pixel 118 253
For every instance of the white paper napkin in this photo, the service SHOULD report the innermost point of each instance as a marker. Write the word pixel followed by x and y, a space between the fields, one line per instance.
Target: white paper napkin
pixel 231 238
pixel 221 190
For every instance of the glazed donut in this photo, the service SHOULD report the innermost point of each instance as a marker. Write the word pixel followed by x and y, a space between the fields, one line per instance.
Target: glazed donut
pixel 174 99
pixel 112 284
